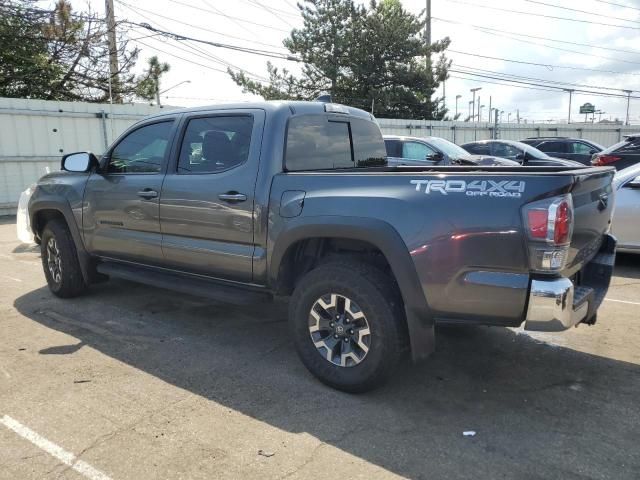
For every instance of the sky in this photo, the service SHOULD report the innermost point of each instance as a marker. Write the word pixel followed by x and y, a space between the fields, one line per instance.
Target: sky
pixel 477 29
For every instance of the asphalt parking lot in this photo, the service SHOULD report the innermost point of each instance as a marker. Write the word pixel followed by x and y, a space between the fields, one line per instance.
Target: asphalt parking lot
pixel 131 382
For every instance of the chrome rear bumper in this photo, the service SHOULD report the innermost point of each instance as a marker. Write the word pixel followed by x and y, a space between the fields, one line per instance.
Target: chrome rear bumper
pixel 551 306
pixel 557 304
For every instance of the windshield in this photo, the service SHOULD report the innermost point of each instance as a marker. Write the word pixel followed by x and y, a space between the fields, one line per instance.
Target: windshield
pixel 450 149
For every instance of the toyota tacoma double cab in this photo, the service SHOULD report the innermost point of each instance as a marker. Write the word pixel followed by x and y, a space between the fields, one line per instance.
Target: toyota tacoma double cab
pixel 245 202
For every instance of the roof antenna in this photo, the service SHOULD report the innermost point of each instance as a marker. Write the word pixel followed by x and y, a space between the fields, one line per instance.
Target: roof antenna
pixel 324 98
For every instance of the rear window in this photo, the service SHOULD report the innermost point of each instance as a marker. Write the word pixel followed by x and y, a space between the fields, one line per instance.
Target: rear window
pixel 552 147
pixel 477 148
pixel 620 146
pixel 318 142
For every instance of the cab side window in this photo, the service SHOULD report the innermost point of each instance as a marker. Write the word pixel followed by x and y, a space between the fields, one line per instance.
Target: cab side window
pixel 416 151
pixel 215 144
pixel 142 151
pixel 506 151
pixel 478 148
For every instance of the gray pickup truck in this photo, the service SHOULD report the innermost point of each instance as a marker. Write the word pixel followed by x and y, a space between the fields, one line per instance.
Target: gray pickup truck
pixel 244 202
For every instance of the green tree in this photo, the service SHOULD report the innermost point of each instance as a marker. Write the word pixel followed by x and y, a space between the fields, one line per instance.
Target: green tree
pixel 61 55
pixel 372 57
pixel 25 67
pixel 149 84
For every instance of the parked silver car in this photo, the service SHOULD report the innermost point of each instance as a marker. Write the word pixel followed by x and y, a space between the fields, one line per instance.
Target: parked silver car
pixel 626 218
pixel 416 151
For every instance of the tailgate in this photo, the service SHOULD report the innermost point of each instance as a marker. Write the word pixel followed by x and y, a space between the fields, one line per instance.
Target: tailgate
pixel 592 197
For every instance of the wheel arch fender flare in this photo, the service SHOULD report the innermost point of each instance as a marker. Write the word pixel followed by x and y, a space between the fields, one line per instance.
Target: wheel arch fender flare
pixel 383 236
pixel 61 206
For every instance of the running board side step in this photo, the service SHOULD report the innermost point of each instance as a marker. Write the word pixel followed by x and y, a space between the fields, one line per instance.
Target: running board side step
pixel 191 285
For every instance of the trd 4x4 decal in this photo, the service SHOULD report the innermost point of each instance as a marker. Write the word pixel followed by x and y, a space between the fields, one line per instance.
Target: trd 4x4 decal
pixel 475 188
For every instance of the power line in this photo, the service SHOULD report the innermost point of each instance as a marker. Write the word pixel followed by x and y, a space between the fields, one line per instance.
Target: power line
pixel 229 16
pixel 579 11
pixel 552 87
pixel 139 9
pixel 546 65
pixel 538 79
pixel 618 4
pixel 482 29
pixel 520 12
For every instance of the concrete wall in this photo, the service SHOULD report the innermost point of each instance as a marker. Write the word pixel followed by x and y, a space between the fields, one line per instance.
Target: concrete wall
pixel 462 132
pixel 34 134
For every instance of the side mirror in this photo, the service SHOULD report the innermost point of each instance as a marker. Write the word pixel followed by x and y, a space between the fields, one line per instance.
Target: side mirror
pixel 635 183
pixel 593 151
pixel 436 157
pixel 79 162
pixel 520 157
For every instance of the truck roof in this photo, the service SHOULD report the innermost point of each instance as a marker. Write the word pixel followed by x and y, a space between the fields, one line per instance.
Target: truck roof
pixel 273 106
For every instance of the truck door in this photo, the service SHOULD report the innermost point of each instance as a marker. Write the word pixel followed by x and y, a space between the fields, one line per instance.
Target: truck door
pixel 121 214
pixel 207 199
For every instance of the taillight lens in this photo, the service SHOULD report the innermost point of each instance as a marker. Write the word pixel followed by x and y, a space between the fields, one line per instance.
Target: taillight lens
pixel 605 159
pixel 549 226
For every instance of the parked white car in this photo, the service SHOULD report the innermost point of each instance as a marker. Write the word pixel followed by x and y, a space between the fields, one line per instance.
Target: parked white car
pixel 626 217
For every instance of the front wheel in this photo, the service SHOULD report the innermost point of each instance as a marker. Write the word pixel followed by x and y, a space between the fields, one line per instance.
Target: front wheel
pixel 348 325
pixel 60 261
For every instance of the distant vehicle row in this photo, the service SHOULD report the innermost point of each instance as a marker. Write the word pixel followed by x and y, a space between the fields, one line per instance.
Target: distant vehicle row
pixel 538 151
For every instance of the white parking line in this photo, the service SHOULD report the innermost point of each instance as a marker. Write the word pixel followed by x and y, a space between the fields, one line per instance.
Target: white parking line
pixel 622 301
pixel 54 450
pixel 12 278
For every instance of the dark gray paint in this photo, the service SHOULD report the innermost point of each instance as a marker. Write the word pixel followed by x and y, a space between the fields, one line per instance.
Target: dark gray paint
pixel 455 257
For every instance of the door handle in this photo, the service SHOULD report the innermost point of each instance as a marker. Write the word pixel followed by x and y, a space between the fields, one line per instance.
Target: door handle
pixel 148 193
pixel 232 197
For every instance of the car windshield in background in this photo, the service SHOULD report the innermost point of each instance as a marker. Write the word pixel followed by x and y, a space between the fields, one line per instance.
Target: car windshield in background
pixel 320 142
pixel 448 148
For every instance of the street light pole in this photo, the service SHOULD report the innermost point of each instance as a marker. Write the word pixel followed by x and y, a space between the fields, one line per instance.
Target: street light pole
pixel 628 92
pixel 570 90
pixel 473 114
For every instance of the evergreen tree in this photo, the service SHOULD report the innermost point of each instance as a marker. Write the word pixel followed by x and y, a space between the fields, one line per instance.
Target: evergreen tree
pixel 374 58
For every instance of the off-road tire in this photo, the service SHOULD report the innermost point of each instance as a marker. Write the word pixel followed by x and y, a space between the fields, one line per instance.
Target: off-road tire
pixel 377 296
pixel 68 282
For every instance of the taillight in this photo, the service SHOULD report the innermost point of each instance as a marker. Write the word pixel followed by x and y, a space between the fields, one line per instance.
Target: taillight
pixel 605 159
pixel 549 225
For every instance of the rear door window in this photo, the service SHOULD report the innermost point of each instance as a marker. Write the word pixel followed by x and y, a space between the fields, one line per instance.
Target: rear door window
pixel 581 148
pixel 214 144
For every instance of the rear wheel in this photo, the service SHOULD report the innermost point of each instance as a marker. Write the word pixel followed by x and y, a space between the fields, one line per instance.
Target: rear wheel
pixel 348 326
pixel 60 261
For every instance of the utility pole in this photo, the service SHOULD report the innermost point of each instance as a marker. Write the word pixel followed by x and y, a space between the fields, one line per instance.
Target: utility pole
pixel 628 92
pixel 444 96
pixel 457 98
pixel 570 90
pixel 113 51
pixel 496 135
pixel 518 115
pixel 478 108
pixel 427 41
pixel 489 109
